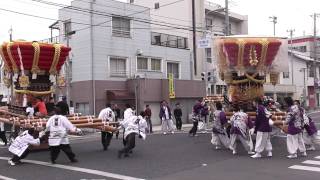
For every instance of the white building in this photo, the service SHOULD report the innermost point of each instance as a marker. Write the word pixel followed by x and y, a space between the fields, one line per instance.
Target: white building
pixel 210 22
pixel 116 58
pixel 299 81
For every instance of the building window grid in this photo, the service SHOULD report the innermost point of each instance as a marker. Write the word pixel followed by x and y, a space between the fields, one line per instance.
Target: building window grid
pixel 174 69
pixel 166 40
pixel 208 55
pixel 118 67
pixel 121 27
pixel 149 64
pixel 67 28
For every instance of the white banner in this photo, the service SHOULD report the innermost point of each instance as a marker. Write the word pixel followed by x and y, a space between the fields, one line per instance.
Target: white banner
pixel 204 43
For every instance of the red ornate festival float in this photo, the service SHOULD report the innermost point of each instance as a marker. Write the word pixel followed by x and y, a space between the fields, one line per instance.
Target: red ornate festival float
pixel 31 68
pixel 244 63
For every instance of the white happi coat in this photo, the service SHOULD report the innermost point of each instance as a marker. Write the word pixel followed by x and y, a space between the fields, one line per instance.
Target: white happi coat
pixel 106 115
pixel 134 124
pixel 1 126
pixel 128 113
pixel 58 126
pixel 22 142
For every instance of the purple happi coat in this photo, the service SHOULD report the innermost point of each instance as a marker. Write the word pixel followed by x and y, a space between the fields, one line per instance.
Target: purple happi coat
pixel 310 127
pixel 294 120
pixel 262 120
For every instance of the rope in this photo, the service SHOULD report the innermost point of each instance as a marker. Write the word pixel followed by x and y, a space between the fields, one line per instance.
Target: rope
pixel 35 68
pixel 57 50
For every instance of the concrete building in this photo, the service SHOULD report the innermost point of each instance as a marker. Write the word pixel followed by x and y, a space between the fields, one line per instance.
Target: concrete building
pixel 299 82
pixel 210 22
pixel 116 58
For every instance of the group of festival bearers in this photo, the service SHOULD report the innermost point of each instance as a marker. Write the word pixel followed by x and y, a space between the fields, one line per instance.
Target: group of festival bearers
pixel 301 129
pixel 58 127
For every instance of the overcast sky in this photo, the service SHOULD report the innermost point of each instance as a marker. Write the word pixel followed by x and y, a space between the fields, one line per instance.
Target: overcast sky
pixel 291 14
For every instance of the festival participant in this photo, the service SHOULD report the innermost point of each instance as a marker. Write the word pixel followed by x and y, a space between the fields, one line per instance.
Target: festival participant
pixel 106 115
pixel 41 107
pixel 20 146
pixel 219 134
pixel 309 137
pixel 3 134
pixel 135 125
pixel 263 130
pixel 29 110
pixel 197 108
pixel 128 112
pixel 58 127
pixel 166 118
pixel 294 119
pixel 241 129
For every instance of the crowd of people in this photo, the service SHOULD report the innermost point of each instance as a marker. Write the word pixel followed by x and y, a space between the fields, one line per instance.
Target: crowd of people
pixel 226 132
pixel 301 129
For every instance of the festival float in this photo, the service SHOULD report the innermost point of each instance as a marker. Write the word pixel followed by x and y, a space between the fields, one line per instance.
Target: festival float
pixel 244 65
pixel 32 69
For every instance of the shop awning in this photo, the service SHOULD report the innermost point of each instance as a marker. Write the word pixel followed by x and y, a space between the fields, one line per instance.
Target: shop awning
pixel 119 95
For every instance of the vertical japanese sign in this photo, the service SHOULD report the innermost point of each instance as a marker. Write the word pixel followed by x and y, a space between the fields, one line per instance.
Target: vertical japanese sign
pixel 171 86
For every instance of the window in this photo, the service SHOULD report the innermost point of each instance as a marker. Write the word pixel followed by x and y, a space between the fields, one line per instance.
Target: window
pixel 220 89
pixel 208 55
pixel 156 5
pixel 142 63
pixel 209 24
pixel 155 64
pixel 156 39
pixel 285 74
pixel 83 108
pixel 118 67
pixel 169 40
pixel 67 28
pixel 131 1
pixel 121 27
pixel 174 69
pixel 173 41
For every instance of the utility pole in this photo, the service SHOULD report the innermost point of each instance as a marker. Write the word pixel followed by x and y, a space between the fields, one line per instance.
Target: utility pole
pixel 227 22
pixel 291 57
pixel 274 20
pixel 194 37
pixel 10 34
pixel 315 55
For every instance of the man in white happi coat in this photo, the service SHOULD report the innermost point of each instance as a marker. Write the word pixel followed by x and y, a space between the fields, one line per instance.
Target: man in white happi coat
pixel 241 129
pixel 219 133
pixel 106 115
pixel 128 112
pixel 58 127
pixel 20 146
pixel 135 125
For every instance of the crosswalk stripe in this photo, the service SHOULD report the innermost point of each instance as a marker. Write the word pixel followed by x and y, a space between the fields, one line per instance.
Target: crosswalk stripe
pixel 311 162
pixel 6 178
pixel 305 168
pixel 318 157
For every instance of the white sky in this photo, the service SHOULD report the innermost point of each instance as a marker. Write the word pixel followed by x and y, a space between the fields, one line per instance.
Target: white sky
pixel 291 14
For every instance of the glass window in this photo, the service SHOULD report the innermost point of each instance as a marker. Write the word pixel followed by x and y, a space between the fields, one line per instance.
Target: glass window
pixel 174 69
pixel 83 108
pixel 118 66
pixel 172 41
pixel 156 39
pixel 142 63
pixel 286 74
pixel 155 64
pixel 67 28
pixel 121 27
pixel 164 40
pixel 208 55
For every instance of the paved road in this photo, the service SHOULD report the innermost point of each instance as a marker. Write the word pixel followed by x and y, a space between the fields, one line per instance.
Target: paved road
pixel 162 157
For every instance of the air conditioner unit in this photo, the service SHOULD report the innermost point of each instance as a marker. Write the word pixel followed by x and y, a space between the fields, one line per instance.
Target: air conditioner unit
pixel 139 75
pixel 139 52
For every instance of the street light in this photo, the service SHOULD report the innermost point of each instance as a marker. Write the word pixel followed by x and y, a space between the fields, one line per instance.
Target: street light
pixel 304 83
pixel 274 20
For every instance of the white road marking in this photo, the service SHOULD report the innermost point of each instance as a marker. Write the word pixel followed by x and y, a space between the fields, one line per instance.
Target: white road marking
pixel 6 178
pixel 78 169
pixel 318 157
pixel 305 168
pixel 311 162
